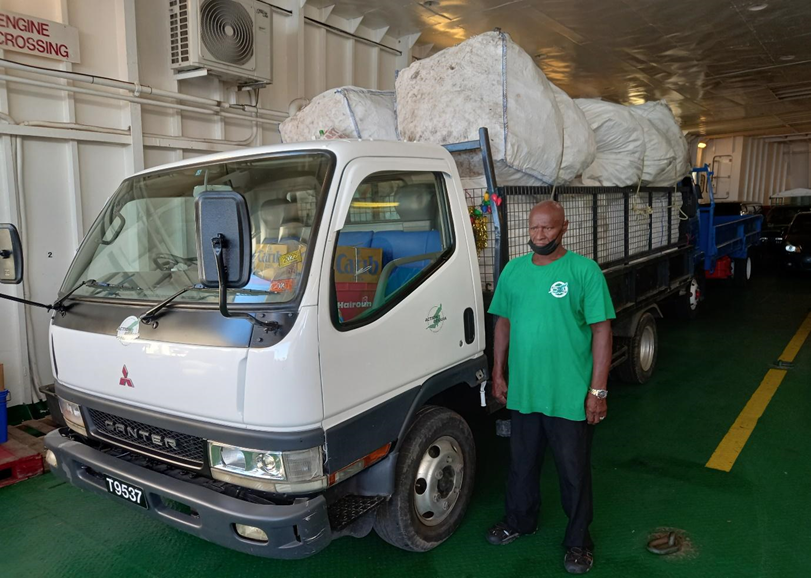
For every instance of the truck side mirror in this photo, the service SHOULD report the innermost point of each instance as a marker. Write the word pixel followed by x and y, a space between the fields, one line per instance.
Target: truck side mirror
pixel 11 255
pixel 223 239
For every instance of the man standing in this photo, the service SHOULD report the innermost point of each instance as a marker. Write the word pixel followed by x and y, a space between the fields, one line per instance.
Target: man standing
pixel 554 313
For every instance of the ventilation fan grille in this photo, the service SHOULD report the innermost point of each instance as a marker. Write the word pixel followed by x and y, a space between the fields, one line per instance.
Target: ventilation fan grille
pixel 226 30
pixel 179 31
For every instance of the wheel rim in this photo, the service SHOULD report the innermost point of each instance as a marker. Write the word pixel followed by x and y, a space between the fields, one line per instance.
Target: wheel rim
pixel 695 294
pixel 439 481
pixel 748 268
pixel 647 348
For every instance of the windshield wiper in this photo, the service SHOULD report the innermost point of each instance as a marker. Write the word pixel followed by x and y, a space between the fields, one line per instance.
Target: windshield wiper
pixel 58 303
pixel 149 317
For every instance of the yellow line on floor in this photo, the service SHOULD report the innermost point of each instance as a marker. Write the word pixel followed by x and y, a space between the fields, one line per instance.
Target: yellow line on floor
pixel 731 446
pixel 793 347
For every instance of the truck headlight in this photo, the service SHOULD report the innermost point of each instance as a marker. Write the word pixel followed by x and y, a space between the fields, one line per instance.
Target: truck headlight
pixel 793 248
pixel 280 472
pixel 73 416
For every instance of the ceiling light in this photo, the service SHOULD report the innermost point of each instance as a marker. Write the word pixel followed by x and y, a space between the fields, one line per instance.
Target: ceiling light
pixel 788 57
pixel 430 3
pixel 757 7
pixel 702 145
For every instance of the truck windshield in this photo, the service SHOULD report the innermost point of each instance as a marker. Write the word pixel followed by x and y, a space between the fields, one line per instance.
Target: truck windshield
pixel 143 245
pixel 801 225
pixel 781 216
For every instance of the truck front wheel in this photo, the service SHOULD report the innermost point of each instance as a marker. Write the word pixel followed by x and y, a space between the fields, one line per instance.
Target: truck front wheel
pixel 643 349
pixel 435 471
pixel 742 271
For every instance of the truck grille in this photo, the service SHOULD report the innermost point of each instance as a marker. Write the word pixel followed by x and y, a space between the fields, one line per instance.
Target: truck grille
pixel 161 443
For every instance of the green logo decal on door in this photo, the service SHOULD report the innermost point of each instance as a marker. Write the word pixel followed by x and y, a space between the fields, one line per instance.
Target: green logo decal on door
pixel 435 319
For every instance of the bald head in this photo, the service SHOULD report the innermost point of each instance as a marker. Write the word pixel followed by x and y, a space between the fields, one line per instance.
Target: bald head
pixel 552 209
pixel 547 222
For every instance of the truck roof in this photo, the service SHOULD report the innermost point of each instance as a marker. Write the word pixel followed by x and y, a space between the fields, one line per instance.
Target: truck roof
pixel 344 149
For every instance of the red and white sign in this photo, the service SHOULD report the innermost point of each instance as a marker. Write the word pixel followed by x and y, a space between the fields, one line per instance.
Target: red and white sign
pixel 39 37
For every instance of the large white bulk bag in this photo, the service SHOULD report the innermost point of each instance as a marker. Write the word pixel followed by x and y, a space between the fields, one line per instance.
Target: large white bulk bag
pixel 350 111
pixel 579 144
pixel 659 164
pixel 620 143
pixel 487 81
pixel 660 115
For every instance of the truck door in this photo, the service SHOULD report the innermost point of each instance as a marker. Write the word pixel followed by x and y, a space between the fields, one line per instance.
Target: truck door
pixel 397 279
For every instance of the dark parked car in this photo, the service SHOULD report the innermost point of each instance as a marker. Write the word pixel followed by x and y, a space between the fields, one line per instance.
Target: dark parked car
pixel 797 247
pixel 728 208
pixel 778 219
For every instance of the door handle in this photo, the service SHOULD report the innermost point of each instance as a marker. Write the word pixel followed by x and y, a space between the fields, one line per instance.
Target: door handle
pixel 470 326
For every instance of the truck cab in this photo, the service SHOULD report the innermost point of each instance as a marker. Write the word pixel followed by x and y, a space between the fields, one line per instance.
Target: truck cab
pixel 295 400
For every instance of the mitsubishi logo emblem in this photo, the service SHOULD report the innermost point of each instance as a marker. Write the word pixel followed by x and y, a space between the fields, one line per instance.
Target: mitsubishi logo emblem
pixel 125 380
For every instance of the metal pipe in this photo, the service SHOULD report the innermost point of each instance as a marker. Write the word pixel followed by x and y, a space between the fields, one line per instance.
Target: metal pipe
pixel 337 30
pixel 297 104
pixel 136 89
pixel 108 82
pixel 243 142
pixel 75 126
pixel 144 101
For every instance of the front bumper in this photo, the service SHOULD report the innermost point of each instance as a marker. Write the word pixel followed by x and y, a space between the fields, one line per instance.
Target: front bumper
pixel 294 531
pixel 798 261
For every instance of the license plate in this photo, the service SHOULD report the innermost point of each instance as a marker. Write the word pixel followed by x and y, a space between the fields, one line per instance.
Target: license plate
pixel 126 491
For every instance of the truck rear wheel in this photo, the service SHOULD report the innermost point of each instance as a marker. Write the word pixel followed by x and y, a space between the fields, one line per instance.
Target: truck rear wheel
pixel 742 271
pixel 686 306
pixel 643 349
pixel 435 471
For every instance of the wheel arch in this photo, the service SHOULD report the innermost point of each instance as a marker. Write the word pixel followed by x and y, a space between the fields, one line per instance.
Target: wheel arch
pixel 626 327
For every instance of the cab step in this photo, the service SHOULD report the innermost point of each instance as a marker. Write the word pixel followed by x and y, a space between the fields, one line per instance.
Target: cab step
pixel 350 508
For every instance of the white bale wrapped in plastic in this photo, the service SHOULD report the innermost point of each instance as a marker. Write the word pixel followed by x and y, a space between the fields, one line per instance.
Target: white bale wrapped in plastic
pixel 490 81
pixel 659 164
pixel 348 111
pixel 579 142
pixel 620 143
pixel 660 115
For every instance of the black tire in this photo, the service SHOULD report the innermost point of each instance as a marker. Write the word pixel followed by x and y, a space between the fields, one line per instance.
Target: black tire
pixel 643 350
pixel 743 271
pixel 398 521
pixel 686 306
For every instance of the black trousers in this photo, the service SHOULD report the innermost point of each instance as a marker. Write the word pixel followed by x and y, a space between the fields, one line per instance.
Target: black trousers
pixel 570 442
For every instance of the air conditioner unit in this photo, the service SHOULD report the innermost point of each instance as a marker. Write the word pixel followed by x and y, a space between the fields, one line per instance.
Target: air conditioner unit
pixel 231 39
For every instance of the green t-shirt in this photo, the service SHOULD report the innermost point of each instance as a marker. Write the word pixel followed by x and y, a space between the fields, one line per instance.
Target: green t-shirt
pixel 550 308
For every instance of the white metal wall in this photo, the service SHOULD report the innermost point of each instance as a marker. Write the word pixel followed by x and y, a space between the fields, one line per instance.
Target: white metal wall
pixel 65 174
pixel 747 169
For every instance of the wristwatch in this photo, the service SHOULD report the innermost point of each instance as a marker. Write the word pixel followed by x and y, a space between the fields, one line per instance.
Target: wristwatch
pixel 599 393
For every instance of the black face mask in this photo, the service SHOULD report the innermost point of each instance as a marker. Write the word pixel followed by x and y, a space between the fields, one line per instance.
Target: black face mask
pixel 544 250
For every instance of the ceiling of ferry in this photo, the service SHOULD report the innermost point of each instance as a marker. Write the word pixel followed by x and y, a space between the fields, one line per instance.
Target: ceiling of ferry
pixel 724 66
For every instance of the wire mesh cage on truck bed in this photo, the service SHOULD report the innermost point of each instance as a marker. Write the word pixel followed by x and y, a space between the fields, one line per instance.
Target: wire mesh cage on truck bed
pixel 611 225
pixel 634 233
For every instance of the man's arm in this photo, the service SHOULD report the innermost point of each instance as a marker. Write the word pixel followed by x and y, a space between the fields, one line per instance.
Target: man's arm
pixel 501 345
pixel 601 351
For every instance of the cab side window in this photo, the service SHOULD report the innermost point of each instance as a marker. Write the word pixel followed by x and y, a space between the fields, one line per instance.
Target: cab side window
pixel 398 231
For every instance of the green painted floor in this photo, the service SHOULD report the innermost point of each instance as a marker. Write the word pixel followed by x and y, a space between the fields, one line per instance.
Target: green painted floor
pixel 649 472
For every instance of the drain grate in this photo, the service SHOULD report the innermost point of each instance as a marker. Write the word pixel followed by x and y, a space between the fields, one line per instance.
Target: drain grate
pixel 670 542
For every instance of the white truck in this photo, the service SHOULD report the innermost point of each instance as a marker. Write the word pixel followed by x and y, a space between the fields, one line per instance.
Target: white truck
pixel 265 347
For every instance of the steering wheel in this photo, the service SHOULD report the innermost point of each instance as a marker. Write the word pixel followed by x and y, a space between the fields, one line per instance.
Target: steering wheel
pixel 168 261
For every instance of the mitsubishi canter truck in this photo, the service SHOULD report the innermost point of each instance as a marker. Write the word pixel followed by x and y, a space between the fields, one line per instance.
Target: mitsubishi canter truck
pixel 262 347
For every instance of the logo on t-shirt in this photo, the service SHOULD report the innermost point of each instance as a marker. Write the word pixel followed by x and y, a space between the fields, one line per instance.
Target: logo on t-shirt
pixel 559 289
